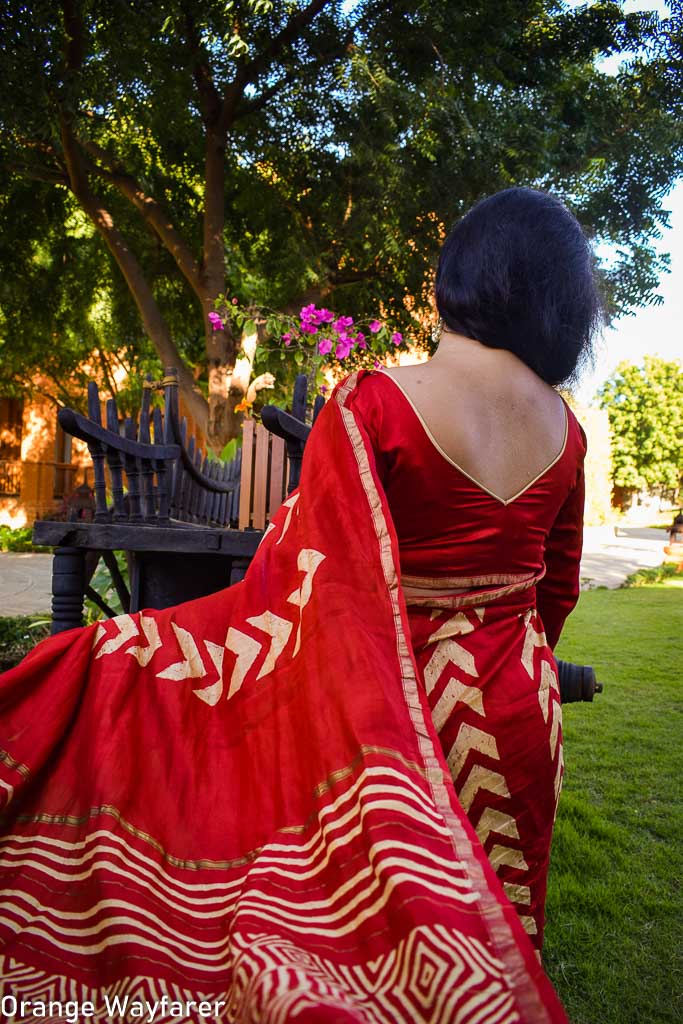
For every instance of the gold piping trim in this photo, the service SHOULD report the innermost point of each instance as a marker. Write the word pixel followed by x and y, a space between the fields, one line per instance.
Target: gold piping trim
pixel 17 766
pixel 365 750
pixel 451 582
pixel 320 790
pixel 113 812
pixel 481 486
pixel 479 597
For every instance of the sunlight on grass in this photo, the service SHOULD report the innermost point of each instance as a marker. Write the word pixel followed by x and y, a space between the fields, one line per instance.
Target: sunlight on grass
pixel 614 937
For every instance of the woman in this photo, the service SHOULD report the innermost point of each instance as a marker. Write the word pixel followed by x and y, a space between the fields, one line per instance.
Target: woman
pixel 482 464
pixel 238 809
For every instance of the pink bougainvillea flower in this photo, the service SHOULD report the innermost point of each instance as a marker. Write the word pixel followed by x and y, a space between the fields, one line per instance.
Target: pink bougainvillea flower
pixel 343 348
pixel 323 389
pixel 360 340
pixel 324 347
pixel 374 326
pixel 308 328
pixel 376 364
pixel 325 316
pixel 340 325
pixel 287 338
pixel 308 312
pixel 215 321
pixel 397 337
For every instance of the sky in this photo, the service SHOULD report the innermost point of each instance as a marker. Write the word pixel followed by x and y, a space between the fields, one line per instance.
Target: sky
pixel 651 330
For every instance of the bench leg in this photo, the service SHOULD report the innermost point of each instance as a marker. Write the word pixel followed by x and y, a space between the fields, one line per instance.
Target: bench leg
pixel 68 586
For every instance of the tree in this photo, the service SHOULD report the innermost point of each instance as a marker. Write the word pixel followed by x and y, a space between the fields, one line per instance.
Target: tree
pixel 286 152
pixel 645 408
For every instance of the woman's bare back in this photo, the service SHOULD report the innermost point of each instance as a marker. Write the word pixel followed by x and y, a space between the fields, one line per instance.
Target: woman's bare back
pixel 488 413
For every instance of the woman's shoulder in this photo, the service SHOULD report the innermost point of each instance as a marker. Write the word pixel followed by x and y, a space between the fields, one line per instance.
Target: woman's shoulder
pixel 576 435
pixel 374 402
pixel 362 390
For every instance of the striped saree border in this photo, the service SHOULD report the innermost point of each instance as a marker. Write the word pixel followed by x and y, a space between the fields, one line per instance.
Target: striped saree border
pixel 415 596
pixel 16 766
pixel 448 582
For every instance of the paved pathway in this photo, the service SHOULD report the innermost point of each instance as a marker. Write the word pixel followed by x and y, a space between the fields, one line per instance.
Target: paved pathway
pixel 25 583
pixel 608 558
pixel 610 555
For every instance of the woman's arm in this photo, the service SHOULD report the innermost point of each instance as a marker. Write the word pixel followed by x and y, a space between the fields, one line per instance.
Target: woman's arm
pixel 558 591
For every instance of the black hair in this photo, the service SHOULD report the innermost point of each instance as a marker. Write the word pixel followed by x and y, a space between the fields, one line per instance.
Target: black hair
pixel 517 273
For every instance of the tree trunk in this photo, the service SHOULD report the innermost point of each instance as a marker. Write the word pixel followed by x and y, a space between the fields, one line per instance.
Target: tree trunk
pixel 154 323
pixel 224 392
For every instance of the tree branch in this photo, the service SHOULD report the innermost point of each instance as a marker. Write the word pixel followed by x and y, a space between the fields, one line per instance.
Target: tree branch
pixel 352 276
pixel 291 31
pixel 151 211
pixel 252 105
pixel 154 323
pixel 209 96
pixel 74 51
pixel 248 72
pixel 40 174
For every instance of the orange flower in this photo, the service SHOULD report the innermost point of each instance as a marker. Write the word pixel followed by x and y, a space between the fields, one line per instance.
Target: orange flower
pixel 243 406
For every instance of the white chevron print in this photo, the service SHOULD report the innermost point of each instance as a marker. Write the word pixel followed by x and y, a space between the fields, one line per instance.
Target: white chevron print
pixel 192 666
pixel 289 505
pixel 127 629
pixel 455 626
pixel 517 893
pixel 470 738
pixel 481 778
pixel 547 681
pixel 308 562
pixel 447 651
pixel 508 856
pixel 555 729
pixel 492 820
pixel 454 693
pixel 247 651
pixel 279 630
pixel 143 655
pixel 212 693
pixel 532 639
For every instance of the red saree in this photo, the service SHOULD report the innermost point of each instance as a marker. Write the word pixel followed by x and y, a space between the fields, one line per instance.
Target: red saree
pixel 241 802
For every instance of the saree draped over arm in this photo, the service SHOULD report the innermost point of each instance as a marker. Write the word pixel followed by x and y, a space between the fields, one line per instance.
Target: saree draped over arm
pixel 242 801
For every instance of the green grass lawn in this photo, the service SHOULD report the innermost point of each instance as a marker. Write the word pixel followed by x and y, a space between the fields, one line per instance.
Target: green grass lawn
pixel 614 940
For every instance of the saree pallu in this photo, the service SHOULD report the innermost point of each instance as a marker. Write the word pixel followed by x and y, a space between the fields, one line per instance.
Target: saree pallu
pixel 238 809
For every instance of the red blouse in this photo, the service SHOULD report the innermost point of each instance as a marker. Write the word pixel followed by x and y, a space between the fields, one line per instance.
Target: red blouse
pixel 448 525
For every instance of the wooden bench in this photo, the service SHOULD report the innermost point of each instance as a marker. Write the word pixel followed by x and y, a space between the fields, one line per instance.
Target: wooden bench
pixel 189 524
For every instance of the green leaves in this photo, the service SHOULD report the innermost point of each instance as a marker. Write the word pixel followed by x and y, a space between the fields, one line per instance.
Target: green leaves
pixel 645 408
pixel 354 136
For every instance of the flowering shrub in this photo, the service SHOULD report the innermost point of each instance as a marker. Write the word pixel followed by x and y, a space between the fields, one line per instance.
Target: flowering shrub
pixel 317 341
pixel 318 336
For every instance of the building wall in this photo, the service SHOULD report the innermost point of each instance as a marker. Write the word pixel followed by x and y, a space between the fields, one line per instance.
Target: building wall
pixel 599 509
pixel 50 465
